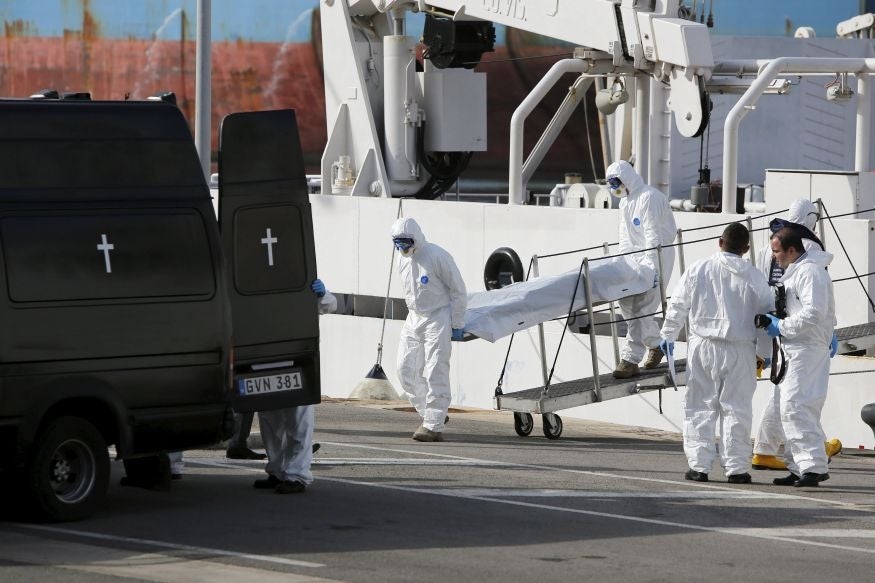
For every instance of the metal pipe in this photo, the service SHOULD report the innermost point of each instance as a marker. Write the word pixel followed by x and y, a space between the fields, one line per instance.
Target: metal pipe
pixel 793 65
pixel 642 123
pixel 659 137
pixel 603 129
pixel 541 342
pixel 614 339
pixel 753 255
pixel 682 204
pixel 821 224
pixel 593 350
pixel 661 280
pixel 576 93
pixel 516 188
pixel 398 107
pixel 863 133
pixel 680 239
pixel 202 97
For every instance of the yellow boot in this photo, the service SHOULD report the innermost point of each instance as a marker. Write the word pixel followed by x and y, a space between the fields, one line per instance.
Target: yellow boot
pixel 767 462
pixel 833 447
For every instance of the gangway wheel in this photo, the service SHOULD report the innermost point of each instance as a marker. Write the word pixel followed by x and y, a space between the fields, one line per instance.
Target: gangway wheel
pixel 552 425
pixel 523 424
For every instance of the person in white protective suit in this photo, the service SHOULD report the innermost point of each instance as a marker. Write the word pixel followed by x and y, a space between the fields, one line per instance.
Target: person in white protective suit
pixel 806 335
pixel 288 433
pixel 721 296
pixel 770 435
pixel 646 222
pixel 436 299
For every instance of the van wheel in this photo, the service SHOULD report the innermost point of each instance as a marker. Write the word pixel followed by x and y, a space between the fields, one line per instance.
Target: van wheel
pixel 68 473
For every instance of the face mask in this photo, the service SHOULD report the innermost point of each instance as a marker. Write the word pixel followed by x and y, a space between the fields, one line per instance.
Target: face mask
pixel 403 244
pixel 616 186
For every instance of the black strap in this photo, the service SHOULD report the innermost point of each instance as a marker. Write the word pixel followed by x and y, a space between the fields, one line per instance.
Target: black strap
pixel 778 371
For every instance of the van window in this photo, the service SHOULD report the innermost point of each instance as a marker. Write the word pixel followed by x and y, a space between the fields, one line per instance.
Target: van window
pixel 106 256
pixel 269 249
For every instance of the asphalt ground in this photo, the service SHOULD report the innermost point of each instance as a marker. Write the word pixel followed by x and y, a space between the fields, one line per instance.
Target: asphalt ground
pixel 604 502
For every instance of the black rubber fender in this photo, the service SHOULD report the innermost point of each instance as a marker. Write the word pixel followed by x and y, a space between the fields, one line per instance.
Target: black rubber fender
pixel 503 260
pixel 867 413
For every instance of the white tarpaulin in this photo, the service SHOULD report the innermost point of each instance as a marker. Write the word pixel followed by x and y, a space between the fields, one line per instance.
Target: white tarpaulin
pixel 498 313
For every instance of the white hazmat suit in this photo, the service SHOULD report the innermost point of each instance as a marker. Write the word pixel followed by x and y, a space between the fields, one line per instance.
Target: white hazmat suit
pixel 770 434
pixel 436 299
pixel 646 221
pixel 720 295
pixel 288 433
pixel 807 331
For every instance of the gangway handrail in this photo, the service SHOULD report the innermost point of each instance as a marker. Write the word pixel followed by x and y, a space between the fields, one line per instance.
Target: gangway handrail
pixel 750 218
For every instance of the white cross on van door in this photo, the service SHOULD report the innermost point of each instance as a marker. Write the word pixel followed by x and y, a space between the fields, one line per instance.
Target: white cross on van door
pixel 269 241
pixel 106 247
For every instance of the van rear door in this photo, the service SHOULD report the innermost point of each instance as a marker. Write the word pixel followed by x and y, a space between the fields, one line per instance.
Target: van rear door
pixel 267 235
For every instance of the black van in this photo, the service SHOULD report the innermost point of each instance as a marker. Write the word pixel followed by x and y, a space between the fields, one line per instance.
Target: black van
pixel 115 321
pixel 267 234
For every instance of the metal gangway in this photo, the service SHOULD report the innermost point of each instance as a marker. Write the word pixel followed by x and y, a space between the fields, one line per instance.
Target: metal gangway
pixel 549 398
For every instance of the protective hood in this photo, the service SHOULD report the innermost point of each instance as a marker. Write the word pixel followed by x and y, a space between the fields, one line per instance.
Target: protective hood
pixel 407 227
pixel 803 212
pixel 734 263
pixel 627 175
pixel 815 256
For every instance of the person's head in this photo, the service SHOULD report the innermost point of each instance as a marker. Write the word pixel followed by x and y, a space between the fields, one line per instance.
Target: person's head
pixel 803 212
pixel 407 236
pixel 786 247
pixel 622 178
pixel 735 239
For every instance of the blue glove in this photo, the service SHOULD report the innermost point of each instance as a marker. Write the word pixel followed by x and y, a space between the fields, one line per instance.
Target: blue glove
pixel 833 345
pixel 767 362
pixel 318 287
pixel 773 329
pixel 458 334
pixel 667 347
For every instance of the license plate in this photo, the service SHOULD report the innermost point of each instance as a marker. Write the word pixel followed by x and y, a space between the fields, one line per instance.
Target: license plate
pixel 274 383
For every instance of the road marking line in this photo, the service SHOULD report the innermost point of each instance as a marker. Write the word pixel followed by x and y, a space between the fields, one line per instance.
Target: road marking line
pixel 173 546
pixel 401 461
pixel 159 567
pixel 817 532
pixel 743 532
pixel 550 493
pixel 688 484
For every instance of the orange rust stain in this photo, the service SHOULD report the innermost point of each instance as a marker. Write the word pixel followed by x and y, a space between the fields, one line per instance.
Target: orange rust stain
pixel 13 28
pixel 90 25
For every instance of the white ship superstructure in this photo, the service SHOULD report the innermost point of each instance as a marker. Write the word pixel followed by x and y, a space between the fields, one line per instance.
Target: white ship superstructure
pixel 788 122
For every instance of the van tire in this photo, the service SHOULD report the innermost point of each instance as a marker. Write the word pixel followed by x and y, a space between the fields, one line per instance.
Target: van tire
pixel 67 475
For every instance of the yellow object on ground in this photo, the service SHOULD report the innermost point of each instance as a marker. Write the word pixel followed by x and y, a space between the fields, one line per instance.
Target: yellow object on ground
pixel 771 462
pixel 767 462
pixel 833 446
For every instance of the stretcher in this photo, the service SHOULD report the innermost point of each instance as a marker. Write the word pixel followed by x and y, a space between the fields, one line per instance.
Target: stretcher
pixel 546 400
pixel 494 314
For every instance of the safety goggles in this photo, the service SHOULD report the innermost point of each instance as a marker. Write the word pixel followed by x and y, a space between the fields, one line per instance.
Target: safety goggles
pixel 614 182
pixel 402 243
